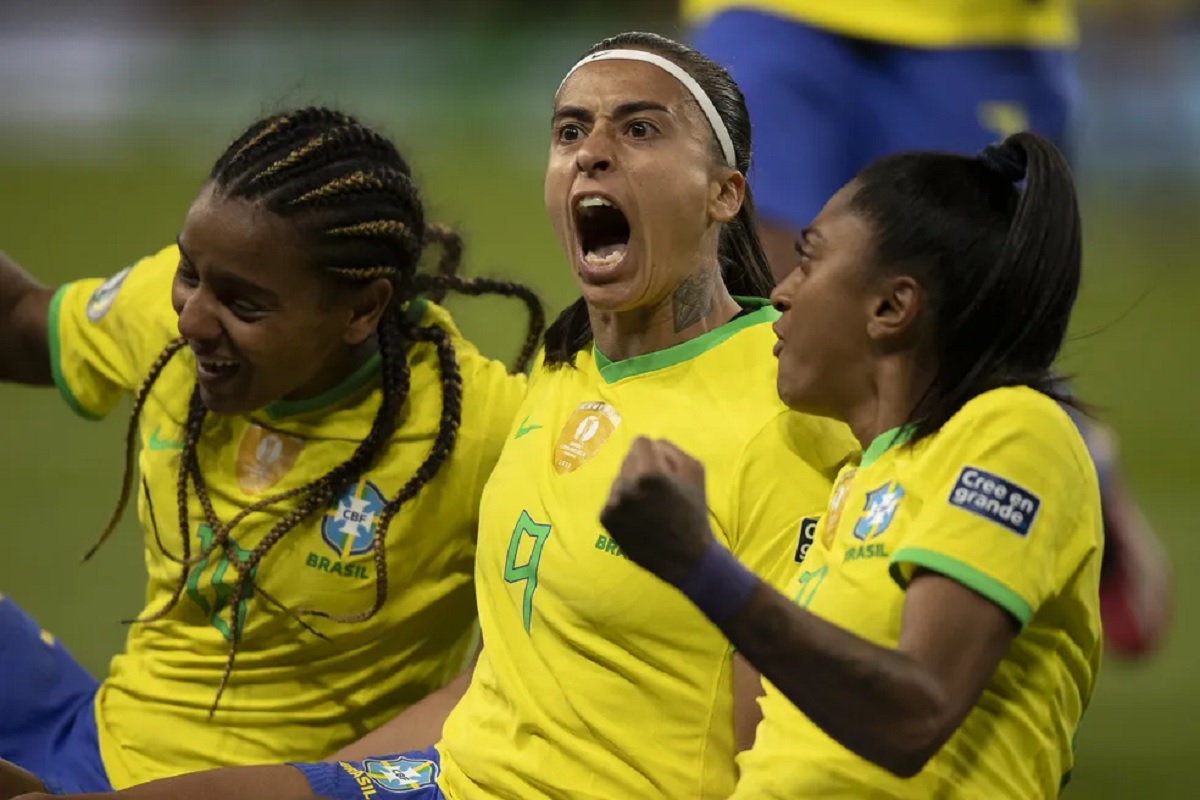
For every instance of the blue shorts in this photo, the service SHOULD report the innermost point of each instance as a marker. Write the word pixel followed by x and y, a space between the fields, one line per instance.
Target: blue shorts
pixel 412 774
pixel 47 721
pixel 823 106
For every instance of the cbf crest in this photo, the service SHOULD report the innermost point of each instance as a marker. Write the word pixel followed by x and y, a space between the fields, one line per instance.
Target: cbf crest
pixel 586 431
pixel 878 511
pixel 349 526
pixel 399 775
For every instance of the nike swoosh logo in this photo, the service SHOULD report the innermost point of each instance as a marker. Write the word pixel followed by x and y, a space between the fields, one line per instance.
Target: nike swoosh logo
pixel 156 443
pixel 523 429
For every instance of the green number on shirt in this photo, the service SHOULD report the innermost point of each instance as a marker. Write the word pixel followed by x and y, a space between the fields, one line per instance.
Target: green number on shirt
pixel 528 571
pixel 810 581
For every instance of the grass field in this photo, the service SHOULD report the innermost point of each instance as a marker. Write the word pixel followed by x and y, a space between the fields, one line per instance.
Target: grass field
pixel 1134 351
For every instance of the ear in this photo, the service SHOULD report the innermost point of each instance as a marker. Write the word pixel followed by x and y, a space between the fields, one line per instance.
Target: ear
pixel 367 309
pixel 895 306
pixel 725 200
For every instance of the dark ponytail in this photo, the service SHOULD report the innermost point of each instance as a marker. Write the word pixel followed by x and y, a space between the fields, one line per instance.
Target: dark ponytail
pixel 740 253
pixel 995 242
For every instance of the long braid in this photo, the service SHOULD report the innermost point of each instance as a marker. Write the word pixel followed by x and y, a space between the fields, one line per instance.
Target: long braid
pixel 480 286
pixel 131 441
pixel 348 190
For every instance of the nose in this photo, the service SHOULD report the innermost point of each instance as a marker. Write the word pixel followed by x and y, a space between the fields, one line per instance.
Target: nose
pixel 197 322
pixel 779 297
pixel 595 155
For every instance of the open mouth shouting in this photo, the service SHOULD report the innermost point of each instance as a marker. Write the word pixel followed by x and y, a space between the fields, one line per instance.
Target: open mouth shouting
pixel 602 234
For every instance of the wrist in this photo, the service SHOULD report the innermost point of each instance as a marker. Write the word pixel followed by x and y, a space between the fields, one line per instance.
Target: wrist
pixel 719 585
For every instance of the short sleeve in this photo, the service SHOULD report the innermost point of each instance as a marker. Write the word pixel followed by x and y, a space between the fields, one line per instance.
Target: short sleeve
pixel 780 490
pixel 491 399
pixel 105 334
pixel 1005 490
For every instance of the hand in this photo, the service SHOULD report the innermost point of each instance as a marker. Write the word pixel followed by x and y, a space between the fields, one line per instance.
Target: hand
pixel 657 512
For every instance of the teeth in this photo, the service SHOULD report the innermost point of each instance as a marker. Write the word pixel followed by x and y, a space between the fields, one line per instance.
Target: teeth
pixel 608 260
pixel 592 201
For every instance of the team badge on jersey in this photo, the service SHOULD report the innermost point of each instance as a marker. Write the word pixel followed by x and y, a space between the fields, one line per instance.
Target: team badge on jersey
pixel 399 775
pixel 586 431
pixel 102 299
pixel 264 457
pixel 349 526
pixel 834 514
pixel 878 511
pixel 992 497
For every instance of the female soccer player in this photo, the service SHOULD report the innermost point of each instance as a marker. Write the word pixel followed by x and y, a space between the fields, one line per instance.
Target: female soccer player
pixel 875 77
pixel 595 679
pixel 314 438
pixel 942 637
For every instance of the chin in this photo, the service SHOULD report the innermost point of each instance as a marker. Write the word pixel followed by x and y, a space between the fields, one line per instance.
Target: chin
pixel 609 297
pixel 226 405
pixel 794 393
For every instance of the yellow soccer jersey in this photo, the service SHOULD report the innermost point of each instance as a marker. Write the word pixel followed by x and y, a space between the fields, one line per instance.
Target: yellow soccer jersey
pixel 920 23
pixel 291 696
pixel 1003 499
pixel 597 679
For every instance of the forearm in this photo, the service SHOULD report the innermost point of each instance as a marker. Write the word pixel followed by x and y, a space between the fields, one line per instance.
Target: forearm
pixel 24 348
pixel 276 782
pixel 417 727
pixel 875 701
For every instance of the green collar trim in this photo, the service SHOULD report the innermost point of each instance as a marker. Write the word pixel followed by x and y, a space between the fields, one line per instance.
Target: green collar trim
pixel 356 380
pixel 884 442
pixel 413 313
pixel 612 371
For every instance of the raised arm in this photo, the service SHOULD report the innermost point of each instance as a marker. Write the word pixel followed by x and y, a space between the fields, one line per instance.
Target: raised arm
pixel 24 343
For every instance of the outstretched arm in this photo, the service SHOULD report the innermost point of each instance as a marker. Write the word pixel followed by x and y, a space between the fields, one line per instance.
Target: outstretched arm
pixel 24 309
pixel 417 727
pixel 239 783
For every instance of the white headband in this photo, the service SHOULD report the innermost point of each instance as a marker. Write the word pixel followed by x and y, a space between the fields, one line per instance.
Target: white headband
pixel 681 75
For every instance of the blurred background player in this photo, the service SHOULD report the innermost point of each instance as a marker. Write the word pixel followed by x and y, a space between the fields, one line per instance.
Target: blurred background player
pixel 312 438
pixel 942 637
pixel 832 86
pixel 595 679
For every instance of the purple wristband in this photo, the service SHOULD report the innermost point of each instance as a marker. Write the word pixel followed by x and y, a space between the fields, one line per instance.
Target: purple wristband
pixel 718 585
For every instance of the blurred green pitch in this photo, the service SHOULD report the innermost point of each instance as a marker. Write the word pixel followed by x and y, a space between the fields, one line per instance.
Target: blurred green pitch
pixel 59 475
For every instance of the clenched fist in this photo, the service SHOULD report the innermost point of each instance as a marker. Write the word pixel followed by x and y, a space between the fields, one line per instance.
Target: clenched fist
pixel 657 512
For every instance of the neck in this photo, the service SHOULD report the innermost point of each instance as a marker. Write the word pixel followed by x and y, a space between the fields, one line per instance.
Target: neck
pixel 697 306
pixel 896 387
pixel 337 370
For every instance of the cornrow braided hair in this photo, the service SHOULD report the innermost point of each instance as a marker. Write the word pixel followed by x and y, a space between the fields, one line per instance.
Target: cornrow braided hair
pixel 351 193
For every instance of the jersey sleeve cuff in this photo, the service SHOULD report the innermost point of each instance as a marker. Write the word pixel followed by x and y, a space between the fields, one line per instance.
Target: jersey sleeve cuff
pixel 322 777
pixel 907 559
pixel 53 325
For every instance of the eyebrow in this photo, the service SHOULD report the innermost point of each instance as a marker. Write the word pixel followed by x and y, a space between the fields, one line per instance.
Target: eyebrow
pixel 625 109
pixel 234 281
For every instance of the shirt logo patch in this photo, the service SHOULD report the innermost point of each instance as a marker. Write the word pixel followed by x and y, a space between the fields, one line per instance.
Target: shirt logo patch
pixel 989 496
pixel 264 457
pixel 878 511
pixel 808 529
pixel 834 514
pixel 586 431
pixel 102 299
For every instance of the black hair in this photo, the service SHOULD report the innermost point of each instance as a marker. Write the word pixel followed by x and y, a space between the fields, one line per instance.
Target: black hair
pixel 740 253
pixel 995 243
pixel 351 195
